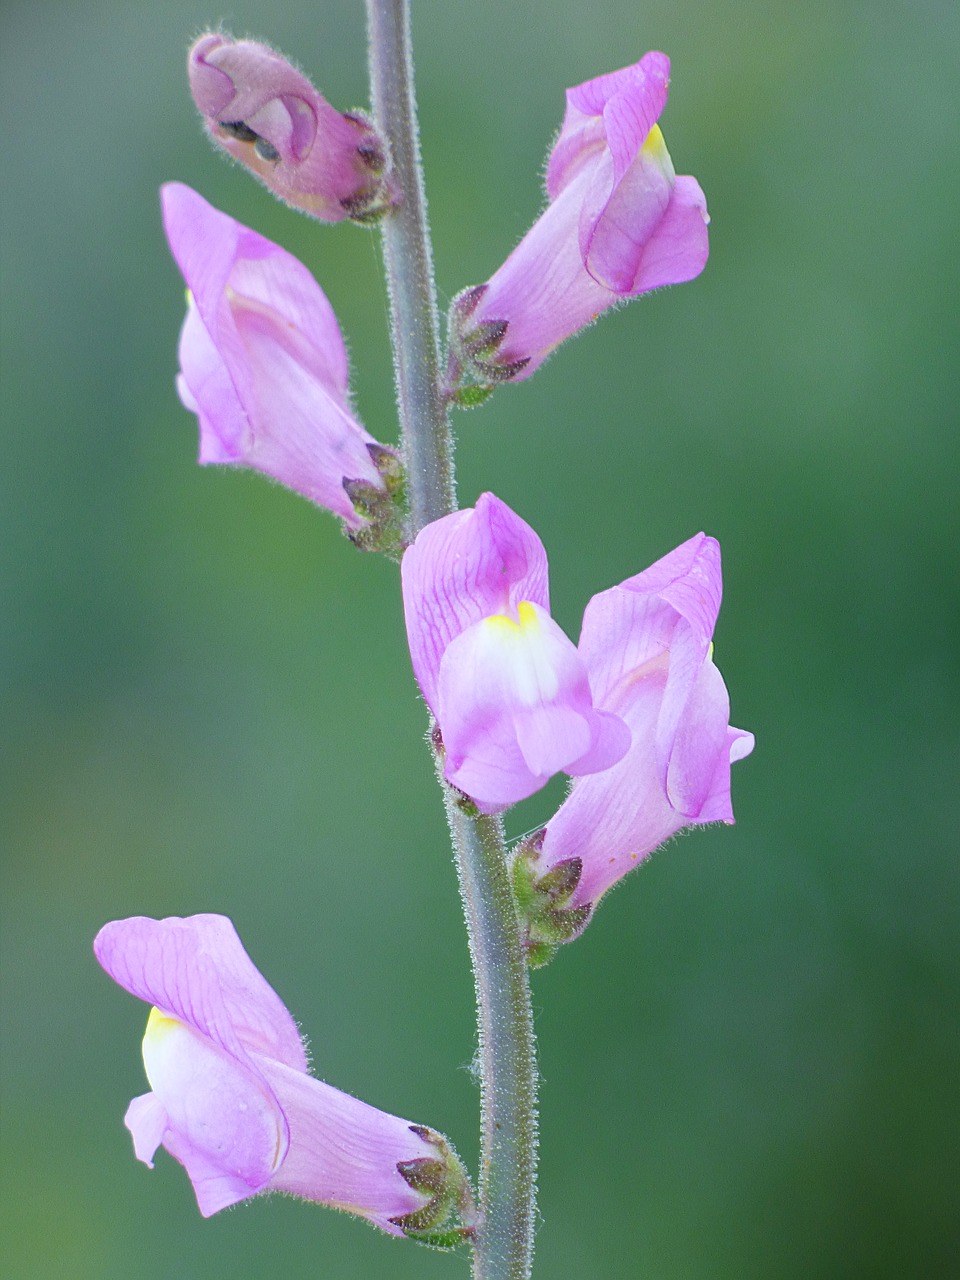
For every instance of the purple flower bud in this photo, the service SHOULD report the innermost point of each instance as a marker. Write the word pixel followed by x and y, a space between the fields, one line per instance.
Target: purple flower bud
pixel 232 1099
pixel 268 116
pixel 262 360
pixel 507 688
pixel 647 646
pixel 619 222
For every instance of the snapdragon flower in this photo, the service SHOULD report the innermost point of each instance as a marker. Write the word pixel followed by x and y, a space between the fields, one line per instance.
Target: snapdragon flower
pixel 232 1099
pixel 508 690
pixel 263 364
pixel 267 114
pixel 619 222
pixel 647 645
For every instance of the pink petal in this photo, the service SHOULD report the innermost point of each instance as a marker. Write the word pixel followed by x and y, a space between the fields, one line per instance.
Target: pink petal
pixel 462 568
pixel 611 741
pixel 617 222
pixel 207 389
pixel 146 1119
pixel 300 435
pixel 612 820
pixel 263 364
pixel 196 970
pixel 515 708
pixel 288 123
pixel 543 290
pixel 212 89
pixel 627 103
pixel 342 1151
pixel 212 250
pixel 223 1122
pixel 633 101
pixel 717 805
pixel 582 140
pixel 678 249
pixel 699 743
pixel 634 623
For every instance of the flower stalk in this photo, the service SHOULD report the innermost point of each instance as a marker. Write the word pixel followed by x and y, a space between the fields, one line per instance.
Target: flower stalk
pixel 503 1238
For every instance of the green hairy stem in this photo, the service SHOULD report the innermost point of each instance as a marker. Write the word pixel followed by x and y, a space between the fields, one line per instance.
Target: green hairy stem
pixel 503 1238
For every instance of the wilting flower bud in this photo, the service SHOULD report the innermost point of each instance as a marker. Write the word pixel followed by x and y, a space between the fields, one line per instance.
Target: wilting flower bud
pixel 263 365
pixel 269 116
pixel 232 1099
pixel 508 689
pixel 619 222
pixel 647 646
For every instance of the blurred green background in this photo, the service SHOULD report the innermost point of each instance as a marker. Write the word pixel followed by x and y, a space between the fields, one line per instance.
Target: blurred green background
pixel 751 1058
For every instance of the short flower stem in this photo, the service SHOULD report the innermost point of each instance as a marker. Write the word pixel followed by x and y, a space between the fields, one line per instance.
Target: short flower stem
pixel 503 1240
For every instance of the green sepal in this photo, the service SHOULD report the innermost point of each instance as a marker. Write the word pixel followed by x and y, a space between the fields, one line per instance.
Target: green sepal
pixel 440 1239
pixel 427 1176
pixel 545 918
pixel 540 953
pixel 494 371
pixel 384 510
pixel 482 341
pixel 464 305
pixel 380 196
pixel 473 394
pixel 473 370
pixel 559 883
pixel 373 202
pixel 564 925
pixel 449 1215
pixel 464 802
pixel 368 207
pixel 372 151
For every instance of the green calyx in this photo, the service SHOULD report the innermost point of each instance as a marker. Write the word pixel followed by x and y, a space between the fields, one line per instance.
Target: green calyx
pixel 468 397
pixel 473 367
pixel 542 901
pixel 383 509
pixel 379 196
pixel 368 206
pixel 449 1215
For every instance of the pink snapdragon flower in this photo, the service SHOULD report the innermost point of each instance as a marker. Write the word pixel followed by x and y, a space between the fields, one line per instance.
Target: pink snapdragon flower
pixel 619 222
pixel 231 1096
pixel 262 360
pixel 269 116
pixel 647 645
pixel 507 688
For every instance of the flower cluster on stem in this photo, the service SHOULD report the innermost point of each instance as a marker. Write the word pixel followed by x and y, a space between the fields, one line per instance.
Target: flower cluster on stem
pixel 635 713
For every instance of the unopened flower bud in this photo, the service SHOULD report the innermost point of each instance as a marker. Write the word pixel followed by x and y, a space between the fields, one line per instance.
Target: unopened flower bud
pixel 267 115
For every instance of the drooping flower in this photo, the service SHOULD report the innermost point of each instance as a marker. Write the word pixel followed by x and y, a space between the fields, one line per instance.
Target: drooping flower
pixel 647 645
pixel 618 223
pixel 232 1099
pixel 262 361
pixel 267 115
pixel 508 690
